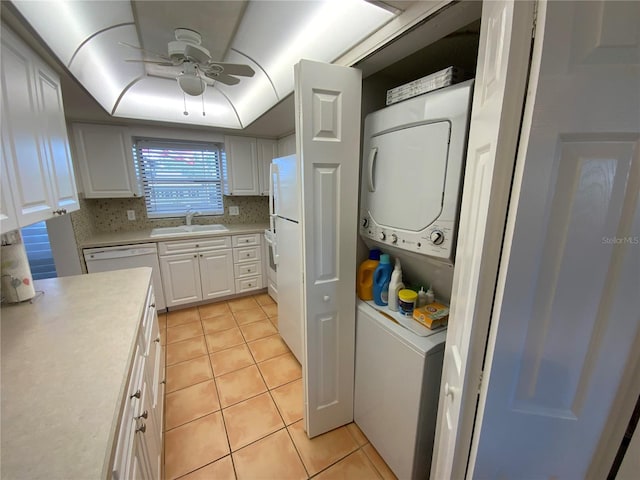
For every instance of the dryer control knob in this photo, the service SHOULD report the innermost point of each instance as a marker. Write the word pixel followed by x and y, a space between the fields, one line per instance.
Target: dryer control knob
pixel 365 222
pixel 382 236
pixel 394 238
pixel 437 237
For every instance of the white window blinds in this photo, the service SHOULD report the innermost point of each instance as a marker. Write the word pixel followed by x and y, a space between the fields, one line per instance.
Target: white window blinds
pixel 180 176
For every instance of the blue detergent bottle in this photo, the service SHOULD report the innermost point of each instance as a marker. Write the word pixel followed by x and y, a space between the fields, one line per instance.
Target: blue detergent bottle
pixel 381 278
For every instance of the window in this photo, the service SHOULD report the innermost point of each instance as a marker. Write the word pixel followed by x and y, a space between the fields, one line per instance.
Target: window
pixel 180 176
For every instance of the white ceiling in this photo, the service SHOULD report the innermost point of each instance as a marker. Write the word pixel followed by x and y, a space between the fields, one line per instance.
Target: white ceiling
pixel 270 36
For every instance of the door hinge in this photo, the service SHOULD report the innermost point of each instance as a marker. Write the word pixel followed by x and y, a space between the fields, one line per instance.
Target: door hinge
pixel 480 381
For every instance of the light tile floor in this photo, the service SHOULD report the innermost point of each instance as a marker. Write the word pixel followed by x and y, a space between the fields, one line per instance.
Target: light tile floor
pixel 233 404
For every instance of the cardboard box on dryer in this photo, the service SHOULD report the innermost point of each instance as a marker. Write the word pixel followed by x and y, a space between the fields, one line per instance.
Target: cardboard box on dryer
pixel 432 316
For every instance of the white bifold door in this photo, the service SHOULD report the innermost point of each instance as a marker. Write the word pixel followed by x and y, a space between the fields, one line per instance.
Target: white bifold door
pixel 563 354
pixel 327 99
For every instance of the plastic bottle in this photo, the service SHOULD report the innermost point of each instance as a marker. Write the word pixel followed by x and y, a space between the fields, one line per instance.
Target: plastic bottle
pixel 431 297
pixel 422 297
pixel 364 285
pixel 381 278
pixel 395 285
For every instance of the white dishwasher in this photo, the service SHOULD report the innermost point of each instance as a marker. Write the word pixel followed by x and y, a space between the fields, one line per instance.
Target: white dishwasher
pixel 127 256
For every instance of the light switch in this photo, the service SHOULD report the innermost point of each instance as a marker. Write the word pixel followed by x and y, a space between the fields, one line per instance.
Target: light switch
pixel 234 210
pixel 131 214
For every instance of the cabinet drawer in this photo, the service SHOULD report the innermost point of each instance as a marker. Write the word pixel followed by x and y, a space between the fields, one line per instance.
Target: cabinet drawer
pixel 248 284
pixel 185 246
pixel 248 254
pixel 246 240
pixel 248 269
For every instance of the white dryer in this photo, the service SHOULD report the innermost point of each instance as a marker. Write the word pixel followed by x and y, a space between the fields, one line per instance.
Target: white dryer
pixel 414 156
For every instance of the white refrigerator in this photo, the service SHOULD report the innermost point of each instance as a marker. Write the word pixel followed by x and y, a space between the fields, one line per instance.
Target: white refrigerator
pixel 285 224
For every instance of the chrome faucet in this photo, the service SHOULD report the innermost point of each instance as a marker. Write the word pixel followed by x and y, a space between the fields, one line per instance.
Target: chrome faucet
pixel 189 216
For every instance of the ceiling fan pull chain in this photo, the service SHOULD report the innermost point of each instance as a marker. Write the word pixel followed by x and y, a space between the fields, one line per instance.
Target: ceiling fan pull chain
pixel 184 98
pixel 203 114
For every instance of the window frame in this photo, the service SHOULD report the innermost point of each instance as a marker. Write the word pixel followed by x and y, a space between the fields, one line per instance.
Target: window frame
pixel 150 181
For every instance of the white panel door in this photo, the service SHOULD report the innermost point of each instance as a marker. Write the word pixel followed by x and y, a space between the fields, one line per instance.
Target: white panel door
pixel 216 274
pixel 502 71
pixel 24 157
pixel 181 279
pixel 565 329
pixel 327 99
pixel 55 139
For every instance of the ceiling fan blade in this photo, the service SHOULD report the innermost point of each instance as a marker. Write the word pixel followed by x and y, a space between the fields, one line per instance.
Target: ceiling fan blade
pixel 164 57
pixel 232 68
pixel 155 62
pixel 195 54
pixel 223 78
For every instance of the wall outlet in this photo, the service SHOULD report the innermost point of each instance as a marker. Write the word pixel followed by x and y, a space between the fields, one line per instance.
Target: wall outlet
pixel 234 210
pixel 131 214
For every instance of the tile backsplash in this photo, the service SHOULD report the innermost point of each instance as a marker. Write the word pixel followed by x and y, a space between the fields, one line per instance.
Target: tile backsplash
pixel 110 215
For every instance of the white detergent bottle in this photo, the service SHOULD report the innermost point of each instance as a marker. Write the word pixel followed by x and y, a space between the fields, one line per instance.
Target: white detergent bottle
pixel 395 285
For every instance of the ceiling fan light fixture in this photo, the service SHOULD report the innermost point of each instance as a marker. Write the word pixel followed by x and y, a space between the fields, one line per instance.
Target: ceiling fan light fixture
pixel 191 84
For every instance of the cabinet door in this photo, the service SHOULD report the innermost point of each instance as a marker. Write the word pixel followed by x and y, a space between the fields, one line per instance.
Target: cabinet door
pixel 216 272
pixel 242 166
pixel 267 151
pixel 8 220
pixel 181 279
pixel 105 159
pixel 25 160
pixel 54 138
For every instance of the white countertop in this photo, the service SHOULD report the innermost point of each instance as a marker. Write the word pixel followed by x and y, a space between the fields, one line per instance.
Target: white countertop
pixel 144 236
pixel 65 365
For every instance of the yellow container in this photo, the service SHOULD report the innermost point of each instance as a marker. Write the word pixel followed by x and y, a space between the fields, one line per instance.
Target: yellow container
pixel 407 301
pixel 432 315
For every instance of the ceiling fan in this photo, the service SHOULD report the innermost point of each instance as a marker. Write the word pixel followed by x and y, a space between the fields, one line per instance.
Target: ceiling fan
pixel 197 69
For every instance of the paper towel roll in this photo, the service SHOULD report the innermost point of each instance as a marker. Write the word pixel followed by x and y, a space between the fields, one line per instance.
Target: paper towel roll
pixel 17 284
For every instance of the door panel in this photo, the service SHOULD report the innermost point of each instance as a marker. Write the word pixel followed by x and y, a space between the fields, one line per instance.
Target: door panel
pixel 503 58
pixel 56 141
pixel 25 160
pixel 181 279
pixel 566 329
pixel 328 130
pixel 216 272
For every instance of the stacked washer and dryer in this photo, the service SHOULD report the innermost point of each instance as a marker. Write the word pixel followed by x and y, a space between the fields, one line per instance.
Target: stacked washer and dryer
pixel 413 162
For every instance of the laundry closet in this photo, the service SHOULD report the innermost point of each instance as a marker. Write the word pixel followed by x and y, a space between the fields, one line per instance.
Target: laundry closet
pixel 397 372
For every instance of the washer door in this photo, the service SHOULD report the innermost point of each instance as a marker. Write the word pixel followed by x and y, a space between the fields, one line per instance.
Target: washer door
pixel 404 175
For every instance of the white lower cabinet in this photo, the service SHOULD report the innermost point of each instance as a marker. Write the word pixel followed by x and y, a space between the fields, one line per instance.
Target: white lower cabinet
pixel 138 451
pixel 203 272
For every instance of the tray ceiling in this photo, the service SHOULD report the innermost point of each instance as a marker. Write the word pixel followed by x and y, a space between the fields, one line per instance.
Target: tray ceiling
pixel 269 36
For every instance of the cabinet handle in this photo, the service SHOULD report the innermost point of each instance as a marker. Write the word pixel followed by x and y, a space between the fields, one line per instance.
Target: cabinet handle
pixel 163 382
pixel 144 415
pixel 248 255
pixel 137 394
pixel 142 428
pixel 153 305
pixel 157 340
pixel 197 245
pixel 201 255
pixel 195 256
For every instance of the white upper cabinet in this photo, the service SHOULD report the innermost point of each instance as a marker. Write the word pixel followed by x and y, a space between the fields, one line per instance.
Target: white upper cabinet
pixel 8 220
pixel 105 159
pixel 242 166
pixel 267 151
pixel 55 140
pixel 35 144
pixel 287 145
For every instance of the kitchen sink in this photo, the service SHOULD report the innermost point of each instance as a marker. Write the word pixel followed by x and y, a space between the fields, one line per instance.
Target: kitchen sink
pixel 187 230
